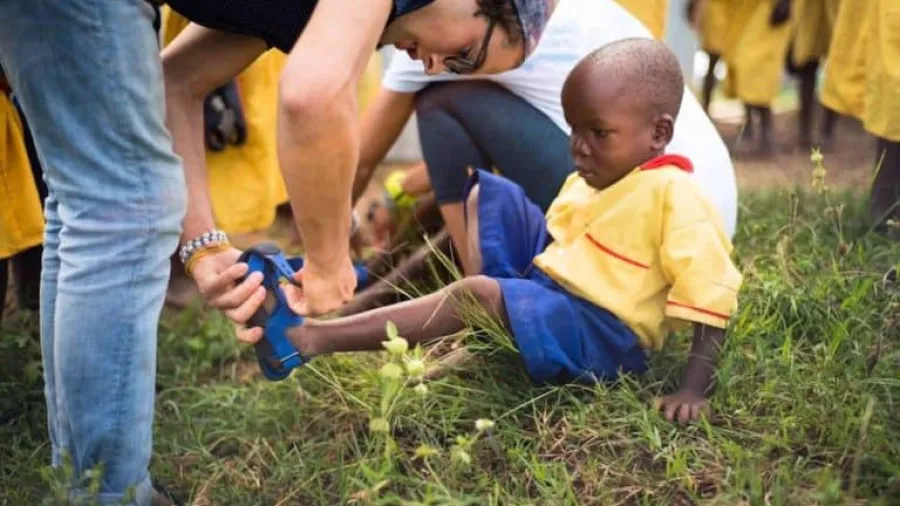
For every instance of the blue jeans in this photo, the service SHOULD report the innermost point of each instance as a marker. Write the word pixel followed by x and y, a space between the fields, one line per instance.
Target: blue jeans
pixel 88 77
pixel 482 125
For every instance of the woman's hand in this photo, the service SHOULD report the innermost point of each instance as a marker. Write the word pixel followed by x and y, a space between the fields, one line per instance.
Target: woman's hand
pixel 219 279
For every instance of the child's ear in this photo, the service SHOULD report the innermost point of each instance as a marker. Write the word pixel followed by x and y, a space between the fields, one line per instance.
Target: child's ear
pixel 663 131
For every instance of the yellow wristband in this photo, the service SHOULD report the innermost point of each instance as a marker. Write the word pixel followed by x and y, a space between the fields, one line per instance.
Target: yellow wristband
pixel 205 251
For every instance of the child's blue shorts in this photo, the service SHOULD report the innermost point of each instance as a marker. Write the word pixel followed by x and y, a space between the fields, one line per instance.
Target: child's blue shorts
pixel 561 338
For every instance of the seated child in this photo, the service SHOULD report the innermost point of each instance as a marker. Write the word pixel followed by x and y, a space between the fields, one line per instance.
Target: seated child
pixel 628 250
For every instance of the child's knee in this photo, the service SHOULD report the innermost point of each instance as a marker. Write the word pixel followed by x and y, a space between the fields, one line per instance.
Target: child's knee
pixel 485 289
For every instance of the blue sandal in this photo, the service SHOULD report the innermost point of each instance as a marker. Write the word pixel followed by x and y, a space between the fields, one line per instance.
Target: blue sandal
pixel 276 355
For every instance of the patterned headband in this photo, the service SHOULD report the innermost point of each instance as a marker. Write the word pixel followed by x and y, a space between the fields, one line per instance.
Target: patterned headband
pixel 533 17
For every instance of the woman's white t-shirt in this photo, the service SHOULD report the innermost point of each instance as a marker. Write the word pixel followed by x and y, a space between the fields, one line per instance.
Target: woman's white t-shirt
pixel 576 28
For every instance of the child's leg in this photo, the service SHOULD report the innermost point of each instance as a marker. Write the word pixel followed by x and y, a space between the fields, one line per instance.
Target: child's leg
pixel 747 127
pixel 26 268
pixel 472 238
pixel 885 198
pixel 807 101
pixel 385 289
pixel 829 119
pixel 439 314
pixel 709 82
pixel 765 129
pixel 3 282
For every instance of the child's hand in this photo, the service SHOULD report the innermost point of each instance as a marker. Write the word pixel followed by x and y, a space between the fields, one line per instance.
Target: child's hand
pixel 684 406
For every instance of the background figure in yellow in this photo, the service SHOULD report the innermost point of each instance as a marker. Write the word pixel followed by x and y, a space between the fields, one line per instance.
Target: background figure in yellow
pixel 710 18
pixel 809 45
pixel 755 48
pixel 22 191
pixel 862 79
pixel 881 111
pixel 652 13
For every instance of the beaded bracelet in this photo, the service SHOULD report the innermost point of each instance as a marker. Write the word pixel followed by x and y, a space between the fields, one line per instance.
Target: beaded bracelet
pixel 203 252
pixel 212 237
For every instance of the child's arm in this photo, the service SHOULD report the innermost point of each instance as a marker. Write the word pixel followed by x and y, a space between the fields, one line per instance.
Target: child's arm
pixel 696 258
pixel 689 401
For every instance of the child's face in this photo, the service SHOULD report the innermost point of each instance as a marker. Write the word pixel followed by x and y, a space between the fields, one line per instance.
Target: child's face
pixel 611 133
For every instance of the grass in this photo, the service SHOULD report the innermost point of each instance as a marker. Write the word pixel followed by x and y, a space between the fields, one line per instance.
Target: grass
pixel 806 409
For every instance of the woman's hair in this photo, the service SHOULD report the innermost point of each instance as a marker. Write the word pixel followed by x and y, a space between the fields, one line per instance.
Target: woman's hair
pixel 503 12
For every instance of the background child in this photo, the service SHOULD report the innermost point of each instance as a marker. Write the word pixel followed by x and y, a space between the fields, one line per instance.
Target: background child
pixel 628 249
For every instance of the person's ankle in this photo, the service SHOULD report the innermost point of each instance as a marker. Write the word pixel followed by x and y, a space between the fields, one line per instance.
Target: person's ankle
pixel 301 337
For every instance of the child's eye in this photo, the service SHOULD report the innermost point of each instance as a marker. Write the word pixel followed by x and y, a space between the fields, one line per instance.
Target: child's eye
pixel 464 53
pixel 600 132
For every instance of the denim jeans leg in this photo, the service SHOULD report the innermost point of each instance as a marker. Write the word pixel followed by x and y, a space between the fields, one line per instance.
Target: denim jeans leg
pixel 88 77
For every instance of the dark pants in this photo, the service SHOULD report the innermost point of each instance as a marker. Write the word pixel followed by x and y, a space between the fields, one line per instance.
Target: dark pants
pixel 482 125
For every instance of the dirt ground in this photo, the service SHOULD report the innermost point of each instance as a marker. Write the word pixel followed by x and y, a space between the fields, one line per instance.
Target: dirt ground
pixel 849 160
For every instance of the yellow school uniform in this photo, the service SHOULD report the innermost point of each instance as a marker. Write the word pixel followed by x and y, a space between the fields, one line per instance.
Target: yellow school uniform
pixel 881 113
pixel 844 83
pixel 245 182
pixel 812 31
pixel 831 11
pixel 651 249
pixel 21 219
pixel 652 13
pixel 755 53
pixel 713 25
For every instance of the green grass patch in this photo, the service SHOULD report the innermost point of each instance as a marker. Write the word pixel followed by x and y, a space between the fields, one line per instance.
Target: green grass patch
pixel 806 409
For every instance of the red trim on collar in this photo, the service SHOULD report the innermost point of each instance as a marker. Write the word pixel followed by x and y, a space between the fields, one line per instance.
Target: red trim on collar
pixel 679 161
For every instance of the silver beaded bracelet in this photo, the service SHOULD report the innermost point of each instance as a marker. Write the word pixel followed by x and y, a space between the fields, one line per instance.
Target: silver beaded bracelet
pixel 190 247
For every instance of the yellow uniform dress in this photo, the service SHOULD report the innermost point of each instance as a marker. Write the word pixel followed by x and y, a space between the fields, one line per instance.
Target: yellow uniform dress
pixel 713 24
pixel 881 111
pixel 844 84
pixel 245 182
pixel 651 249
pixel 812 30
pixel 755 53
pixel 652 13
pixel 21 219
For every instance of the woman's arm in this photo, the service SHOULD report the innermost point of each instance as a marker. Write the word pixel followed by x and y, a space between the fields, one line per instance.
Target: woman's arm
pixel 380 127
pixel 318 140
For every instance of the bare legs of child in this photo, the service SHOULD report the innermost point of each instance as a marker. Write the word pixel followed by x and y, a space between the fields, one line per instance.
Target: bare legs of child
pixel 436 315
pixel 384 291
pixel 709 81
pixel 829 120
pixel 807 75
pixel 885 199
pixel 764 115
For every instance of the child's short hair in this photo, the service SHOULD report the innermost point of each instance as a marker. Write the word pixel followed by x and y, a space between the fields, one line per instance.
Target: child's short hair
pixel 650 68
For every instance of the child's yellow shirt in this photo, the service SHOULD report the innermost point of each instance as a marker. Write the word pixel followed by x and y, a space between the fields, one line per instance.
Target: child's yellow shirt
pixel 651 249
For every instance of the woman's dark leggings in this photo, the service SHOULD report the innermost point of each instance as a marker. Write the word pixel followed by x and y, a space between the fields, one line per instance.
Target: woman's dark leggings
pixel 483 125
